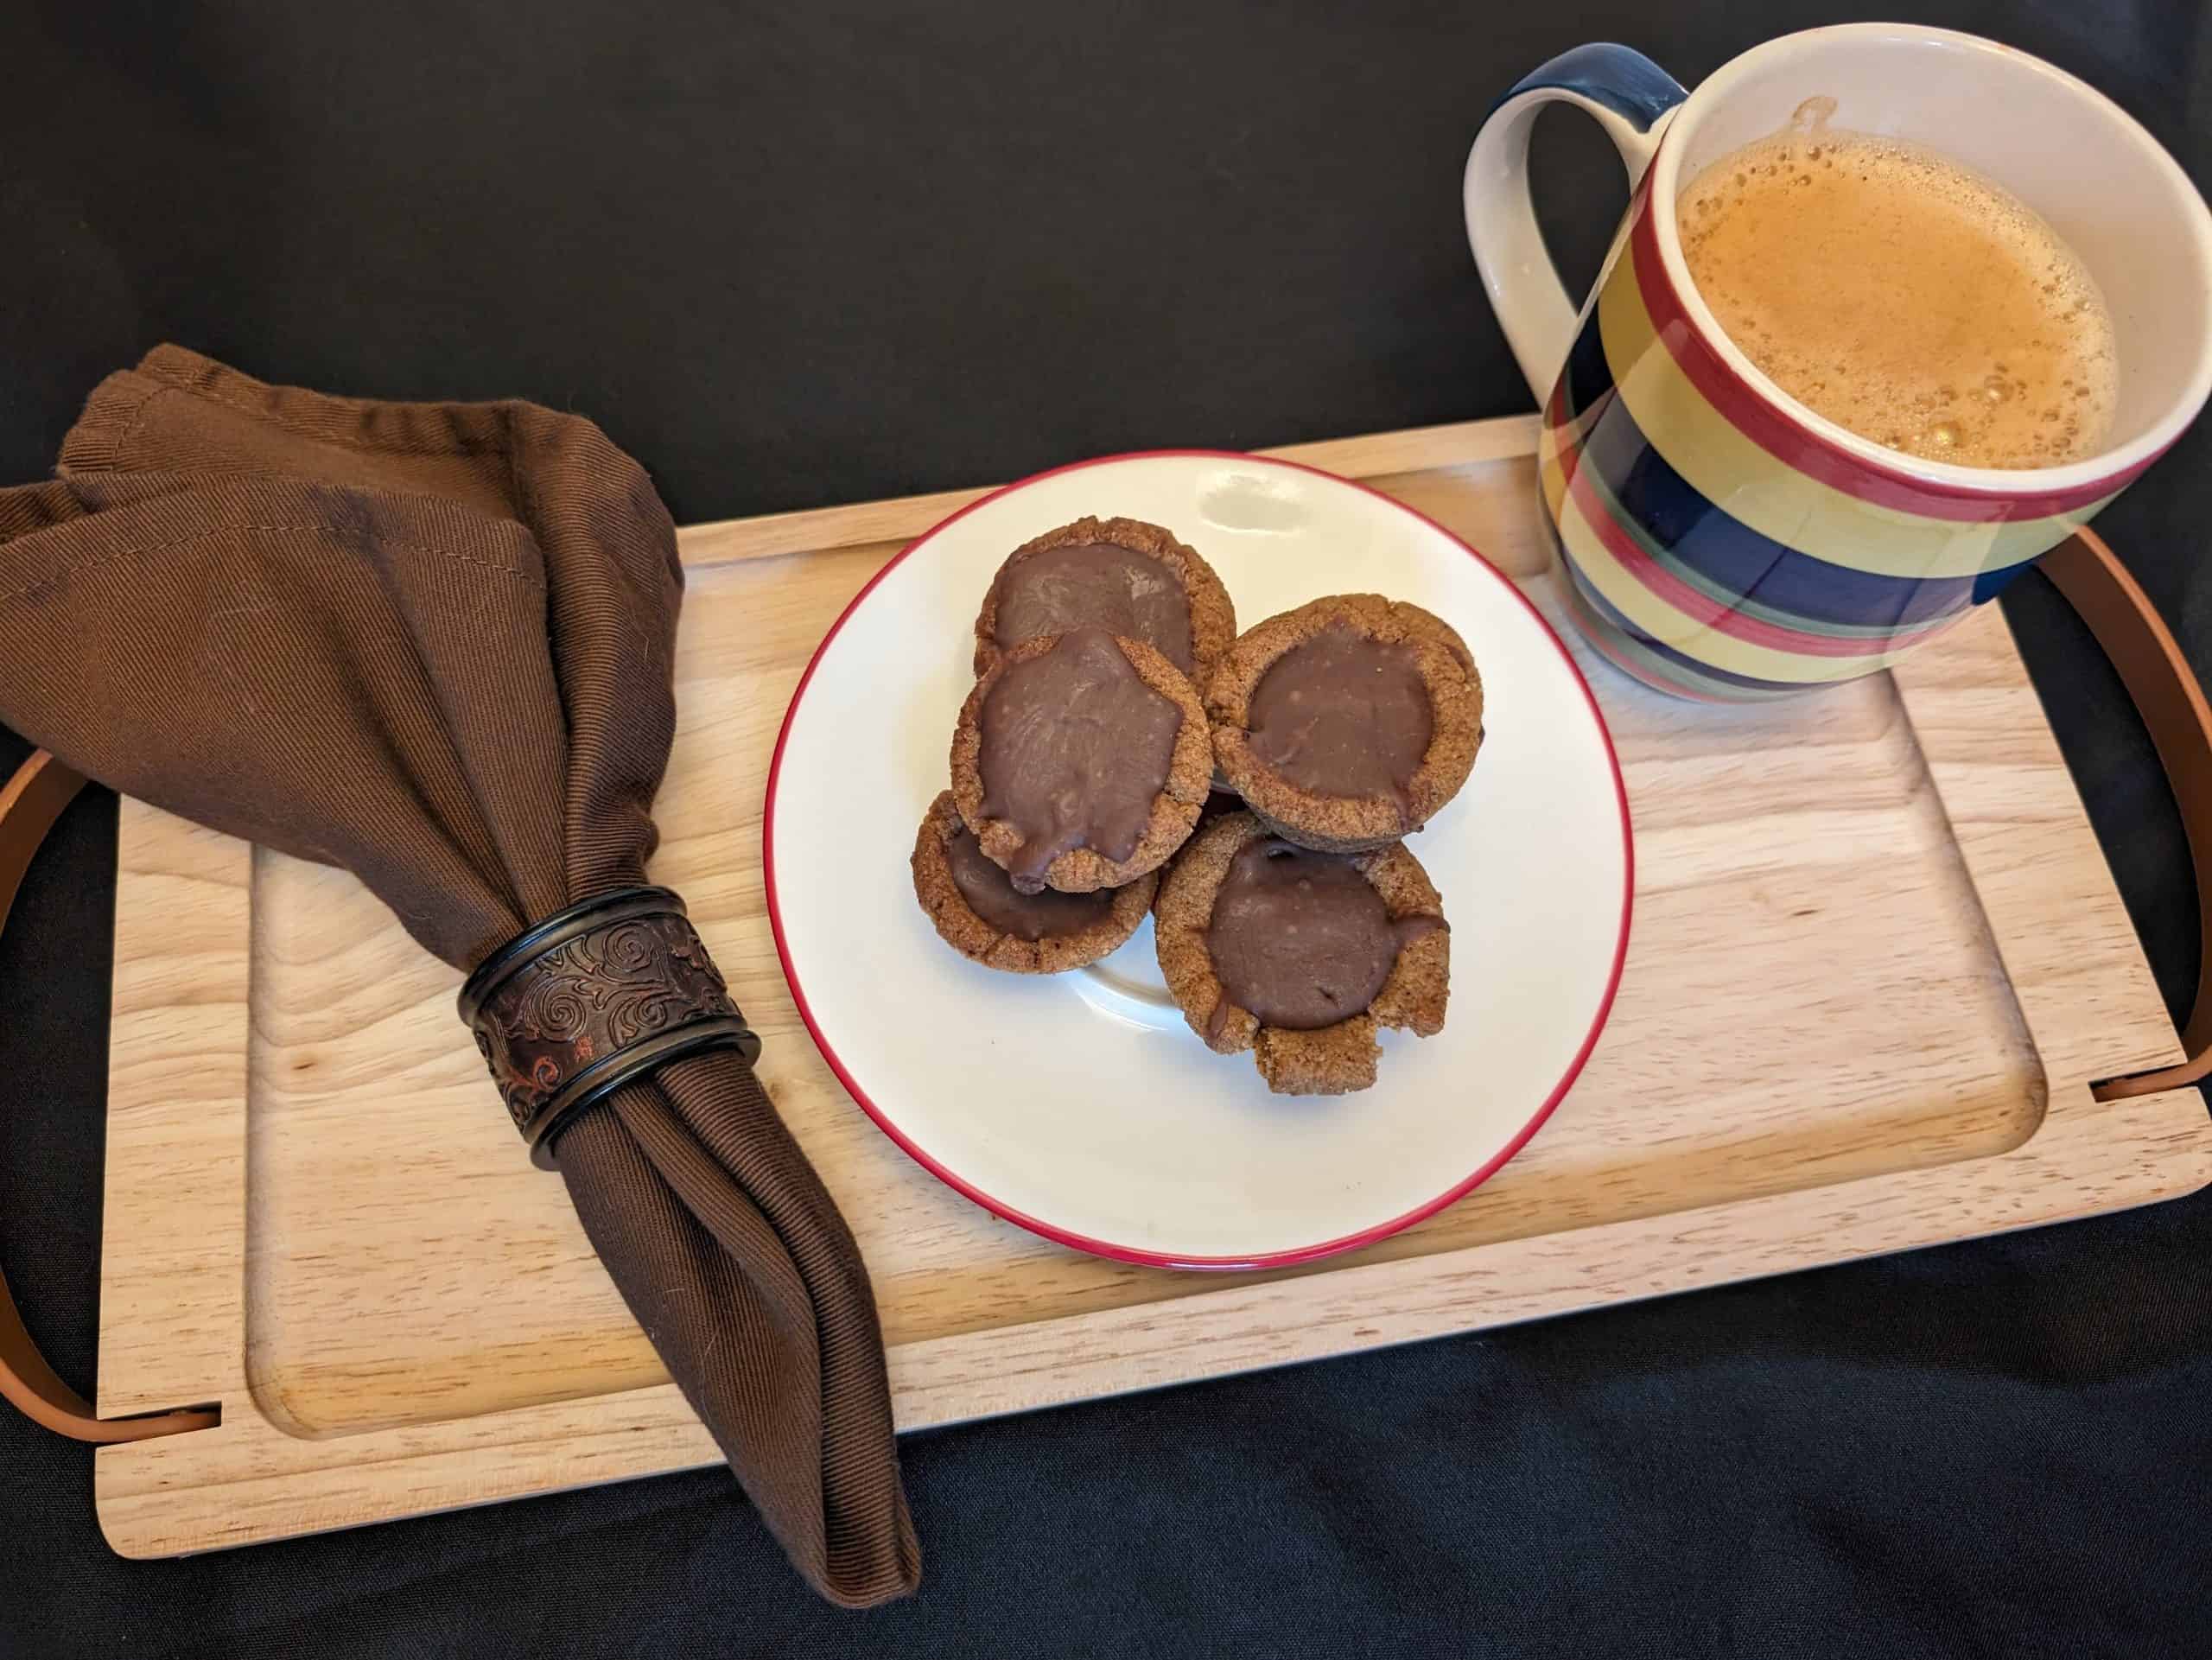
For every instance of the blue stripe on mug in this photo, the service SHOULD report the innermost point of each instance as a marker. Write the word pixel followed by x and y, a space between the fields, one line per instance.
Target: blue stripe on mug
pixel 1732 558
pixel 1738 559
pixel 1613 76
pixel 1588 376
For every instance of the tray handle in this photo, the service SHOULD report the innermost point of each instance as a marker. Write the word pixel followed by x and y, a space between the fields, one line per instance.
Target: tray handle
pixel 29 803
pixel 2165 693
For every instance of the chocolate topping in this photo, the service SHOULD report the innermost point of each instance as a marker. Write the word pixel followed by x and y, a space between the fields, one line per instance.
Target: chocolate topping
pixel 991 896
pixel 1095 584
pixel 1075 746
pixel 1343 716
pixel 1301 939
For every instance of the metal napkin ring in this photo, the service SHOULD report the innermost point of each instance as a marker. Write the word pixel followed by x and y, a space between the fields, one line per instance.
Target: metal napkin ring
pixel 592 997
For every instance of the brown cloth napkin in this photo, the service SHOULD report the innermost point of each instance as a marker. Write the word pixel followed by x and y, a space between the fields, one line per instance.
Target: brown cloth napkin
pixel 432 643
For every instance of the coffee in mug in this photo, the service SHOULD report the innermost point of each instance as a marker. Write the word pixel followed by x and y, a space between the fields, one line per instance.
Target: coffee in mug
pixel 1903 296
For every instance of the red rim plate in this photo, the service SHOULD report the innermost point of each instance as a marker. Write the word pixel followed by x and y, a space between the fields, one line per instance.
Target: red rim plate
pixel 1107 1247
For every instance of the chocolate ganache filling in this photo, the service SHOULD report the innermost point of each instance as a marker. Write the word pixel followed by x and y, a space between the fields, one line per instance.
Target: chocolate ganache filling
pixel 1302 939
pixel 1095 584
pixel 1075 749
pixel 1342 714
pixel 991 895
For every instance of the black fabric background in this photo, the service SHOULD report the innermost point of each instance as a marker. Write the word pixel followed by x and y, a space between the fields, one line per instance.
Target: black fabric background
pixel 823 251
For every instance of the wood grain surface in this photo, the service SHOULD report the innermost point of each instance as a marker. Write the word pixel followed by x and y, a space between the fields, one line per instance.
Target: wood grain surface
pixel 1877 961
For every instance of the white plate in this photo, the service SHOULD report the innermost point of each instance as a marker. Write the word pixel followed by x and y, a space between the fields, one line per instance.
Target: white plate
pixel 1080 1105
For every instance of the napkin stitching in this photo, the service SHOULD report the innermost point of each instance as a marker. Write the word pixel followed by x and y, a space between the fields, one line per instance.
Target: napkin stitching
pixel 138 417
pixel 54 577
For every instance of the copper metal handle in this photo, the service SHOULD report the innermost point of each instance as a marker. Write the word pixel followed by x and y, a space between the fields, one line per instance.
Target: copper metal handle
pixel 29 803
pixel 2172 703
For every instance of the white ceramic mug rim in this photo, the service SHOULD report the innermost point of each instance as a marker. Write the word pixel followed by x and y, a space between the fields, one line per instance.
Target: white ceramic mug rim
pixel 2122 459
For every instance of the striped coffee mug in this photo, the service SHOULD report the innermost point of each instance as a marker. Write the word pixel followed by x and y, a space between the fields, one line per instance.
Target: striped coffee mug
pixel 1718 539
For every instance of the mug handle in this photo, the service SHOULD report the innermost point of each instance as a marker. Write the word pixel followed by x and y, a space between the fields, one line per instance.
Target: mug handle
pixel 29 803
pixel 1631 98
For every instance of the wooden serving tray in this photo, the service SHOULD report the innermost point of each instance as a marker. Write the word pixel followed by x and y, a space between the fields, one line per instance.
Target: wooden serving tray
pixel 1877 962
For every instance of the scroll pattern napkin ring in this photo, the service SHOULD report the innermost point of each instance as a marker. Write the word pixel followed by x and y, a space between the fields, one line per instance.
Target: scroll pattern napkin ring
pixel 592 997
